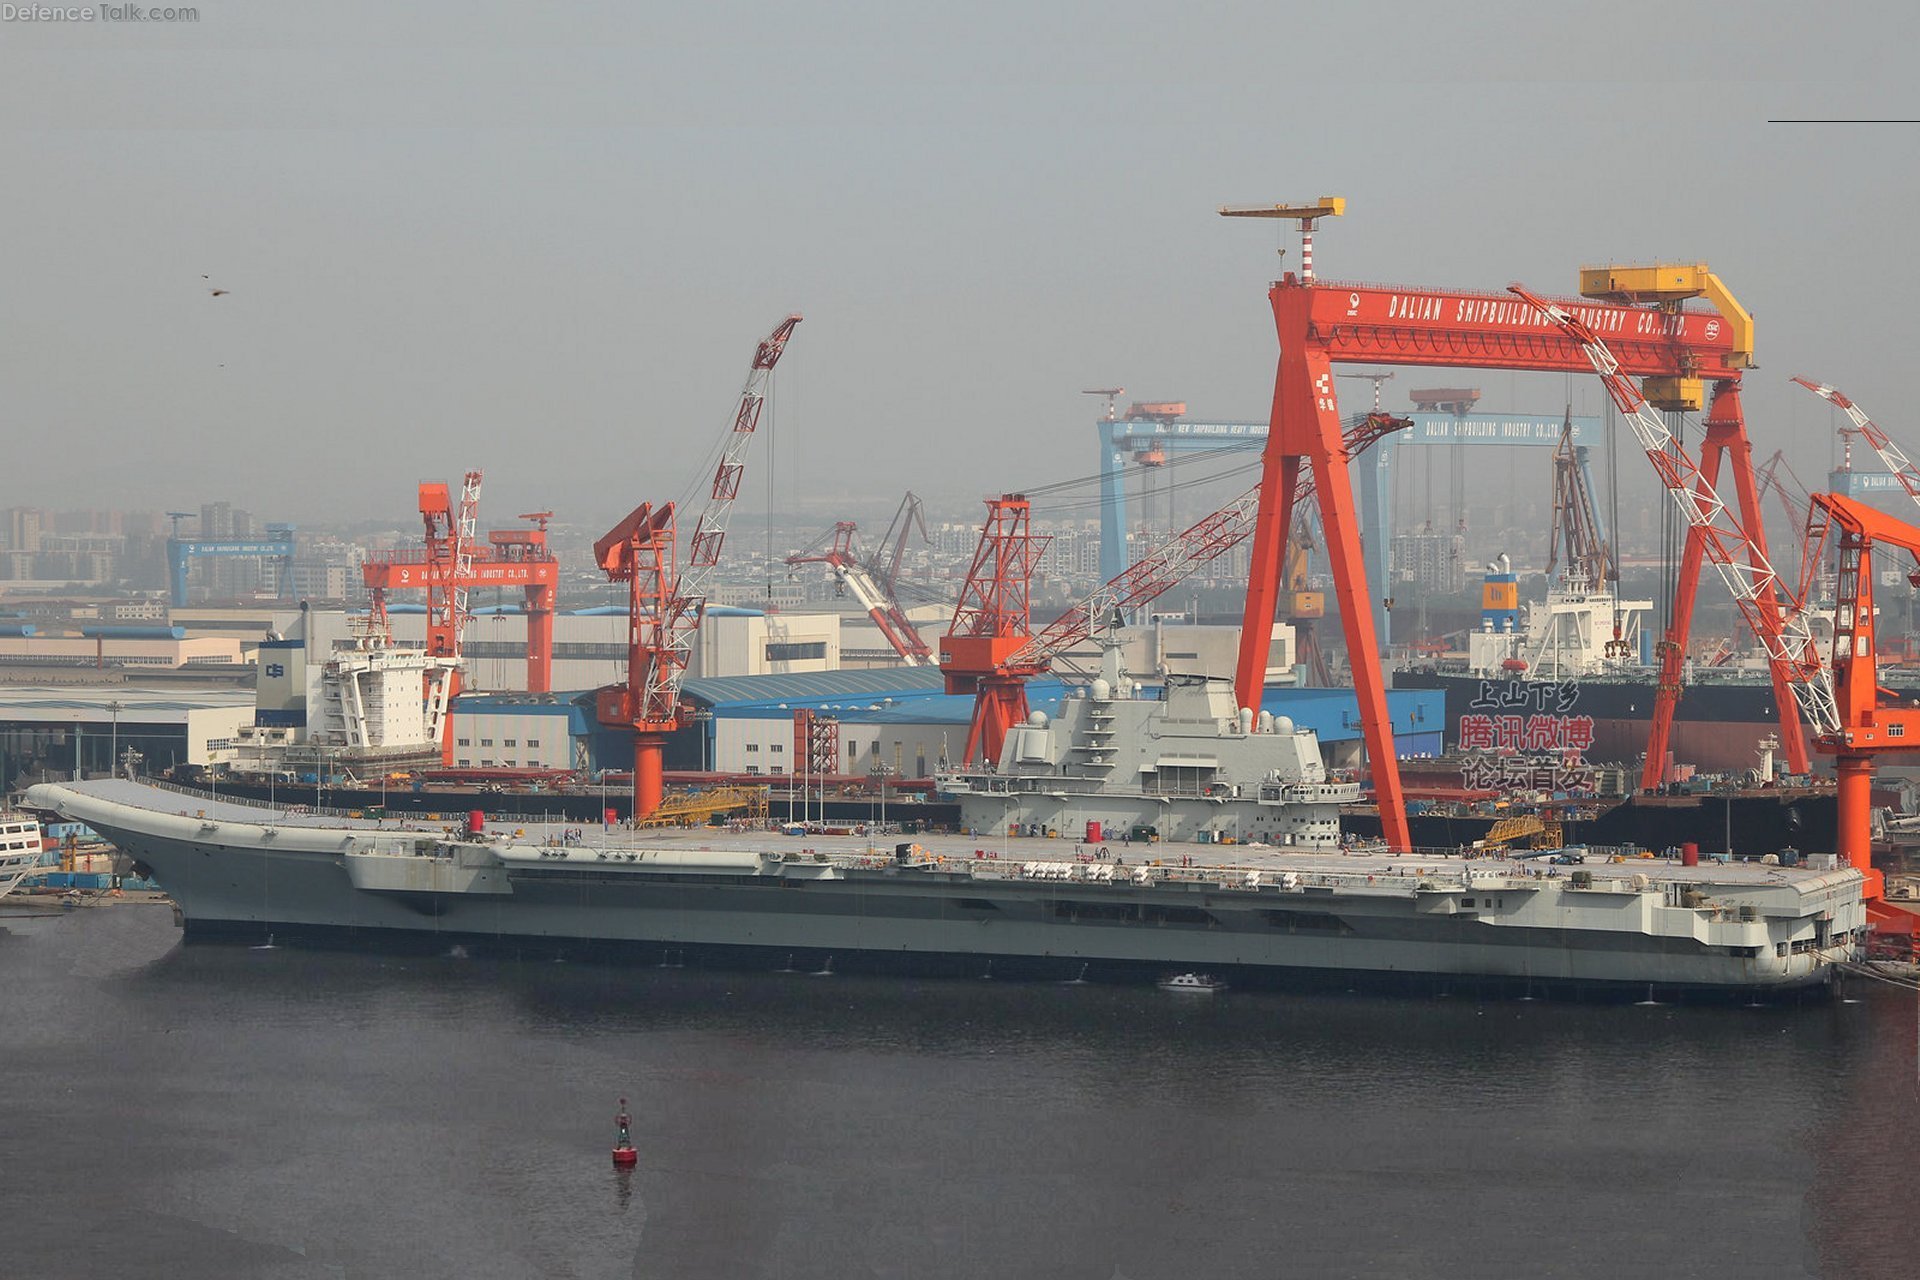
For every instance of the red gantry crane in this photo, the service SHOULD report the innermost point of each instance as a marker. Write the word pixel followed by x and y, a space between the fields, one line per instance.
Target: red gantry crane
pixel 509 558
pixel 666 604
pixel 1319 324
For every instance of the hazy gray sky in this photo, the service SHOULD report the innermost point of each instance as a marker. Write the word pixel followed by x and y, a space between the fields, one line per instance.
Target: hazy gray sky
pixel 543 239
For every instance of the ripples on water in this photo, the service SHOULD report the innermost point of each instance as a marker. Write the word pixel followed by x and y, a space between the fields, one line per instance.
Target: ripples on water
pixel 219 1111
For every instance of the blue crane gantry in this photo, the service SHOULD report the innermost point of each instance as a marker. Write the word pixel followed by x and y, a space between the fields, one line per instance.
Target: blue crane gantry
pixel 276 544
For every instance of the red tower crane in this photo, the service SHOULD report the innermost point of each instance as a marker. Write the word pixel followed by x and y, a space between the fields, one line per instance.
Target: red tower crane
pixel 1864 728
pixel 666 604
pixel 640 552
pixel 1322 324
pixel 448 570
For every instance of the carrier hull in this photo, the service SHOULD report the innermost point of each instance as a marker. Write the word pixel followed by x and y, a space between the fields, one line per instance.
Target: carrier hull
pixel 1270 917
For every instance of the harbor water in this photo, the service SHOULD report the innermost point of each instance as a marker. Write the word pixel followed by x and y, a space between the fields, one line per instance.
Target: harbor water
pixel 231 1111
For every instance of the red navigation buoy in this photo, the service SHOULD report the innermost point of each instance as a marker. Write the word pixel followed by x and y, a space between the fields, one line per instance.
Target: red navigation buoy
pixel 624 1156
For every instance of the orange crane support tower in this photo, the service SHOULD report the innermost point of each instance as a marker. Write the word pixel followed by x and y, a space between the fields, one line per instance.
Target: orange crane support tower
pixel 1866 728
pixel 991 624
pixel 639 551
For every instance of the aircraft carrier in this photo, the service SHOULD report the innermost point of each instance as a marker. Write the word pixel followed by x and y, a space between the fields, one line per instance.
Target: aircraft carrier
pixel 1000 905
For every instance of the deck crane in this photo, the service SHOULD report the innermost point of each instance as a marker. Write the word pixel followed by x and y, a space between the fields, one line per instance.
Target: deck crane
pixel 838 551
pixel 988 651
pixel 1890 453
pixel 667 603
pixel 1741 560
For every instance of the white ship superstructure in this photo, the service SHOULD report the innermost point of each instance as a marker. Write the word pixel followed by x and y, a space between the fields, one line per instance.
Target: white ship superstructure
pixel 1581 629
pixel 20 849
pixel 327 701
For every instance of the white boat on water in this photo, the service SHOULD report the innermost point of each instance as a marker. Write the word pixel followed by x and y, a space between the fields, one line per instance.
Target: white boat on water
pixel 20 849
pixel 1200 983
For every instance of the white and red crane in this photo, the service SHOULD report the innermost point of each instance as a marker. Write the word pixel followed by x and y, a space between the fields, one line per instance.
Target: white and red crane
pixel 665 602
pixel 1891 455
pixel 838 551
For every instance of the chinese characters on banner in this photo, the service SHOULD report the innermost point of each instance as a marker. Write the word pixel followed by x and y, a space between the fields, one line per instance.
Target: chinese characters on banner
pixel 1521 737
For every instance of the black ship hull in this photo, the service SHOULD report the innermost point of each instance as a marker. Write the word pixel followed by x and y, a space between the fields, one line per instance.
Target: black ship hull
pixel 1717 727
pixel 1746 823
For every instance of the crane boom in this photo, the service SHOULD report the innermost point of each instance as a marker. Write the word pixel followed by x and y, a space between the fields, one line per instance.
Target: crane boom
pixel 1890 453
pixel 689 603
pixel 885 562
pixel 1748 575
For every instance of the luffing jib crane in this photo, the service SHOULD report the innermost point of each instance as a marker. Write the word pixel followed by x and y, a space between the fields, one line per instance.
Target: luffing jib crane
pixel 988 651
pixel 666 603
pixel 1862 728
pixel 836 549
pixel 639 551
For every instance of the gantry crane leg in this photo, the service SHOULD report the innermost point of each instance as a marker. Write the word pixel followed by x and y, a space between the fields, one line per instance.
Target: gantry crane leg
pixel 1306 424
